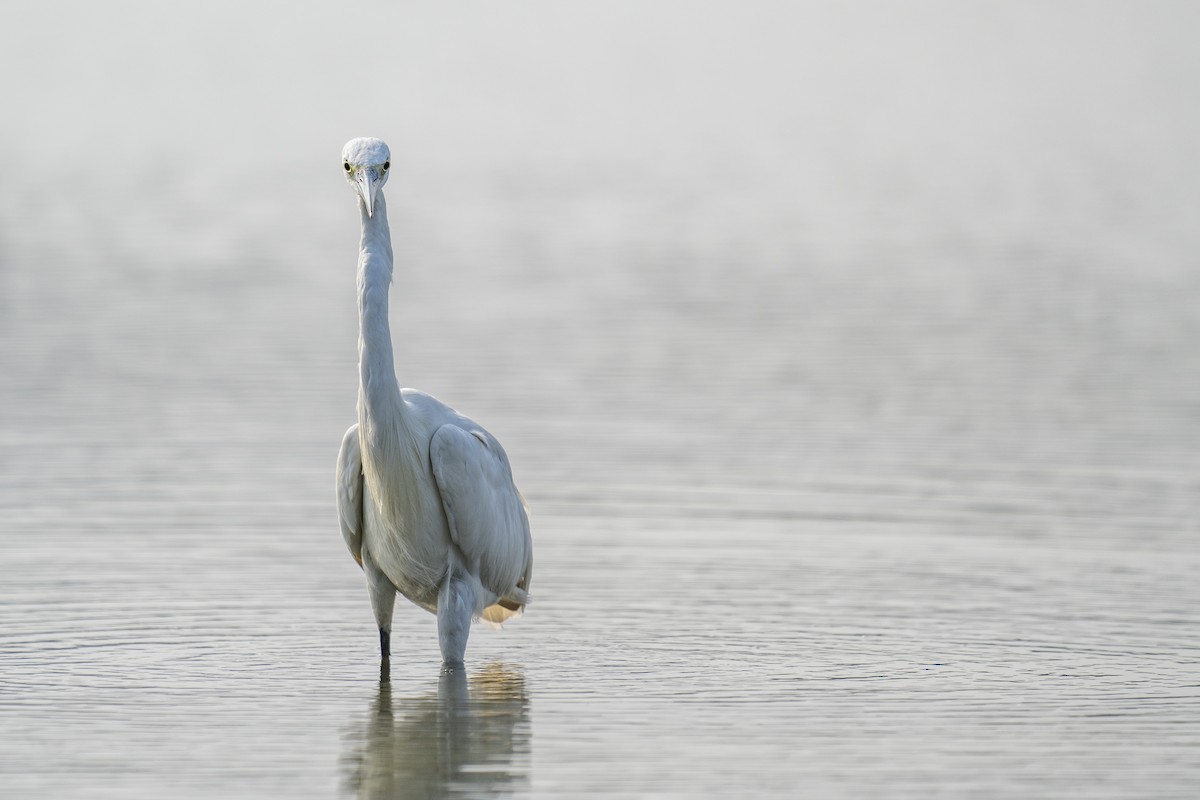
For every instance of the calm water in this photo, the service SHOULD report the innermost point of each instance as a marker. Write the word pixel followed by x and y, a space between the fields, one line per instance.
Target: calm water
pixel 847 360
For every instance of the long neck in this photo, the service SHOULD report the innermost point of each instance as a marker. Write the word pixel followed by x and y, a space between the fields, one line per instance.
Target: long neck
pixel 382 424
pixel 378 391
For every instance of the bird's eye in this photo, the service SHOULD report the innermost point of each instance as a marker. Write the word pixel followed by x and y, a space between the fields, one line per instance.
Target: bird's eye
pixel 387 164
pixel 346 166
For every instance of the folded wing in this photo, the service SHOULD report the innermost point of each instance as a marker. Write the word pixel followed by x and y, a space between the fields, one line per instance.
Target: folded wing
pixel 350 493
pixel 486 514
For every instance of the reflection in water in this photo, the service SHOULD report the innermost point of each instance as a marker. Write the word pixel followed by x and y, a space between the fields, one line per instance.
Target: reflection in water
pixel 464 741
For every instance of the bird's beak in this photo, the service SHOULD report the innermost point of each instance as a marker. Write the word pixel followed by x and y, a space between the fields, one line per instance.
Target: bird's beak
pixel 367 186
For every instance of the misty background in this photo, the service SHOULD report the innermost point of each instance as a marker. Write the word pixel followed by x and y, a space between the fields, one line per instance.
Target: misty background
pixel 846 354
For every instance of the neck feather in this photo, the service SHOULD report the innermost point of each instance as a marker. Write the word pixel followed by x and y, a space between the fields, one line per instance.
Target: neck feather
pixel 378 389
pixel 381 415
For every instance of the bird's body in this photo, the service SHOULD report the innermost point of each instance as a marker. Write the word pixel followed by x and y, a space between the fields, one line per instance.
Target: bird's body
pixel 425 495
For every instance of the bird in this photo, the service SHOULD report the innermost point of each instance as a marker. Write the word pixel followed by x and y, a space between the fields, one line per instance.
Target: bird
pixel 425 496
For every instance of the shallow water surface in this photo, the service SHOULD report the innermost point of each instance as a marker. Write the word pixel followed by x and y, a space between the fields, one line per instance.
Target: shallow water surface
pixel 847 363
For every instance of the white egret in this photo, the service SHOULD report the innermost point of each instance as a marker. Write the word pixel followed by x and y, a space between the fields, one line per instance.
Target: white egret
pixel 425 496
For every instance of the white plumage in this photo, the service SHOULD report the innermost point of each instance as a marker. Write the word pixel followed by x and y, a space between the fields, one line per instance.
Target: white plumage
pixel 425 495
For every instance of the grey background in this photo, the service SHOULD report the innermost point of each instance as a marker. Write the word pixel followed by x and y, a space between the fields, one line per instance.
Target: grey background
pixel 845 353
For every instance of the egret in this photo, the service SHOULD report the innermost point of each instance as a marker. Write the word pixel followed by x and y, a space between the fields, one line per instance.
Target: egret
pixel 425 496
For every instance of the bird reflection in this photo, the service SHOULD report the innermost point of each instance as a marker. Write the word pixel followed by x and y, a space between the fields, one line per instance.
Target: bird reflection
pixel 469 739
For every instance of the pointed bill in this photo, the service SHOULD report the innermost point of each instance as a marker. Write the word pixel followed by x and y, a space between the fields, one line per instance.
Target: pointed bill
pixel 367 186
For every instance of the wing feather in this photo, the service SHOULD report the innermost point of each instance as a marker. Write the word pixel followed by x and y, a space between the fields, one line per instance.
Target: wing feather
pixel 486 514
pixel 350 493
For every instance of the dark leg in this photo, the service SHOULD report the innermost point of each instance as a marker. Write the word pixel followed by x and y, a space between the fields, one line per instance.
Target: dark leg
pixel 385 643
pixel 383 597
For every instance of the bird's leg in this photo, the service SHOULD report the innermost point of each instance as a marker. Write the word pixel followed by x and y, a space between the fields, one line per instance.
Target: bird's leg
pixel 385 643
pixel 454 610
pixel 385 670
pixel 383 599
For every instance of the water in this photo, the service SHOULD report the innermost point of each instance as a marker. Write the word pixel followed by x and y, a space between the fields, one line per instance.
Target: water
pixel 846 359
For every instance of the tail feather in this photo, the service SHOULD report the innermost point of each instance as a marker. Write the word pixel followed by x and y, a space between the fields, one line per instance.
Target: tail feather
pixel 507 607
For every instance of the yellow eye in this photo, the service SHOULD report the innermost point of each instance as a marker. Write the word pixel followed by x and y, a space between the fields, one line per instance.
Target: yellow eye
pixel 346 166
pixel 387 164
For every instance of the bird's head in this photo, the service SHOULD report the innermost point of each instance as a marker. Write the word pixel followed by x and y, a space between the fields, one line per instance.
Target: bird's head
pixel 366 162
